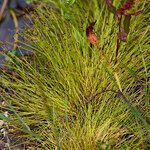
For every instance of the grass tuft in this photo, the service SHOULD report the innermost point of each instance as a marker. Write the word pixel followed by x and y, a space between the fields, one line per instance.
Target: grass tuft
pixel 64 98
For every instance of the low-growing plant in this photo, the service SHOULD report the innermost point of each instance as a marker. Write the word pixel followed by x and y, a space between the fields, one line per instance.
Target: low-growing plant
pixel 74 95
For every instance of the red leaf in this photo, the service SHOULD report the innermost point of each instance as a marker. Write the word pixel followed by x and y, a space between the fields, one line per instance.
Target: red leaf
pixel 92 38
pixel 133 14
pixel 89 30
pixel 90 34
pixel 127 6
pixel 122 36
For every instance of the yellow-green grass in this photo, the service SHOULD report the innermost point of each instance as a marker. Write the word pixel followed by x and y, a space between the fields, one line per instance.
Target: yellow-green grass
pixel 65 99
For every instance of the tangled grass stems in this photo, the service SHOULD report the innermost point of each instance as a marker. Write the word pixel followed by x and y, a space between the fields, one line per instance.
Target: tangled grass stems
pixel 54 92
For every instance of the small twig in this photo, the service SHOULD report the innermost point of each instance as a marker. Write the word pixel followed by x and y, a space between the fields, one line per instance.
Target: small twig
pixel 16 34
pixel 119 94
pixel 3 8
pixel 126 100
pixel 146 120
pixel 101 92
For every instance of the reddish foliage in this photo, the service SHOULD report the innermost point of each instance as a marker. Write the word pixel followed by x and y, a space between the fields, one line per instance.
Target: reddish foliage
pixel 92 38
pixel 89 30
pixel 133 14
pixel 122 11
pixel 126 6
pixel 122 36
pixel 90 34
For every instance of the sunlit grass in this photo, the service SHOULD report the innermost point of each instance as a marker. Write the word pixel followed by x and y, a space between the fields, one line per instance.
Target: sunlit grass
pixel 63 98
